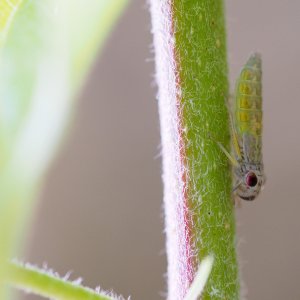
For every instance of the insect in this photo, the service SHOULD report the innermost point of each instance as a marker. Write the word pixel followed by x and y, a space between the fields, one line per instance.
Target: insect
pixel 247 130
pixel 246 127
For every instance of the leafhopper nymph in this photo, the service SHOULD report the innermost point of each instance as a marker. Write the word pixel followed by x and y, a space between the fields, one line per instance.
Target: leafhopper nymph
pixel 247 131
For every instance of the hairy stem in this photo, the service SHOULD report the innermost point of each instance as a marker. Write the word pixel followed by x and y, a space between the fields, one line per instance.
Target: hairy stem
pixel 190 45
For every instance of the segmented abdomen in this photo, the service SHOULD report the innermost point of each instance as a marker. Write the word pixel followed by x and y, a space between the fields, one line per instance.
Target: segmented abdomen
pixel 248 108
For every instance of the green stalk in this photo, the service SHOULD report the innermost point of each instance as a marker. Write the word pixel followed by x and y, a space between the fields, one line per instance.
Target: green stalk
pixel 190 44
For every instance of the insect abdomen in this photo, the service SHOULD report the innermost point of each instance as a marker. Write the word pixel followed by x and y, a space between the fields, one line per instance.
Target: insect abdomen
pixel 249 98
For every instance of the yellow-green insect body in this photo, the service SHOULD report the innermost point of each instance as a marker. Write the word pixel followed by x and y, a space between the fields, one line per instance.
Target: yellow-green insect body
pixel 247 130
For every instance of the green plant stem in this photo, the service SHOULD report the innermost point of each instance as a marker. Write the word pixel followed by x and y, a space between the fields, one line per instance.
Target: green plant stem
pixel 190 44
pixel 41 283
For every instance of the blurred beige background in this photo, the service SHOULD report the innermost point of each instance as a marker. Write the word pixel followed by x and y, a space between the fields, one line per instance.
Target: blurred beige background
pixel 100 214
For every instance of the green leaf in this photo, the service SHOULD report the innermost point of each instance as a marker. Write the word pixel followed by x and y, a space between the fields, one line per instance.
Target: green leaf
pixel 48 284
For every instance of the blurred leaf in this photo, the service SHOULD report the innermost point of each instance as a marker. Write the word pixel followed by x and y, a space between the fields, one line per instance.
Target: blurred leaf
pixel 46 50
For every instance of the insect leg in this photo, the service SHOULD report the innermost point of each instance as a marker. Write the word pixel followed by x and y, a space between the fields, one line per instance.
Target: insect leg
pixel 236 199
pixel 236 185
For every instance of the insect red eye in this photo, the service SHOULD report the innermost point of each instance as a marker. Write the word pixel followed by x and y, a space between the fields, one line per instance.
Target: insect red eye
pixel 251 179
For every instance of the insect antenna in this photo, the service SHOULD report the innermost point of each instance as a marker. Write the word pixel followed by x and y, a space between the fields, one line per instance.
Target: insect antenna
pixel 224 150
